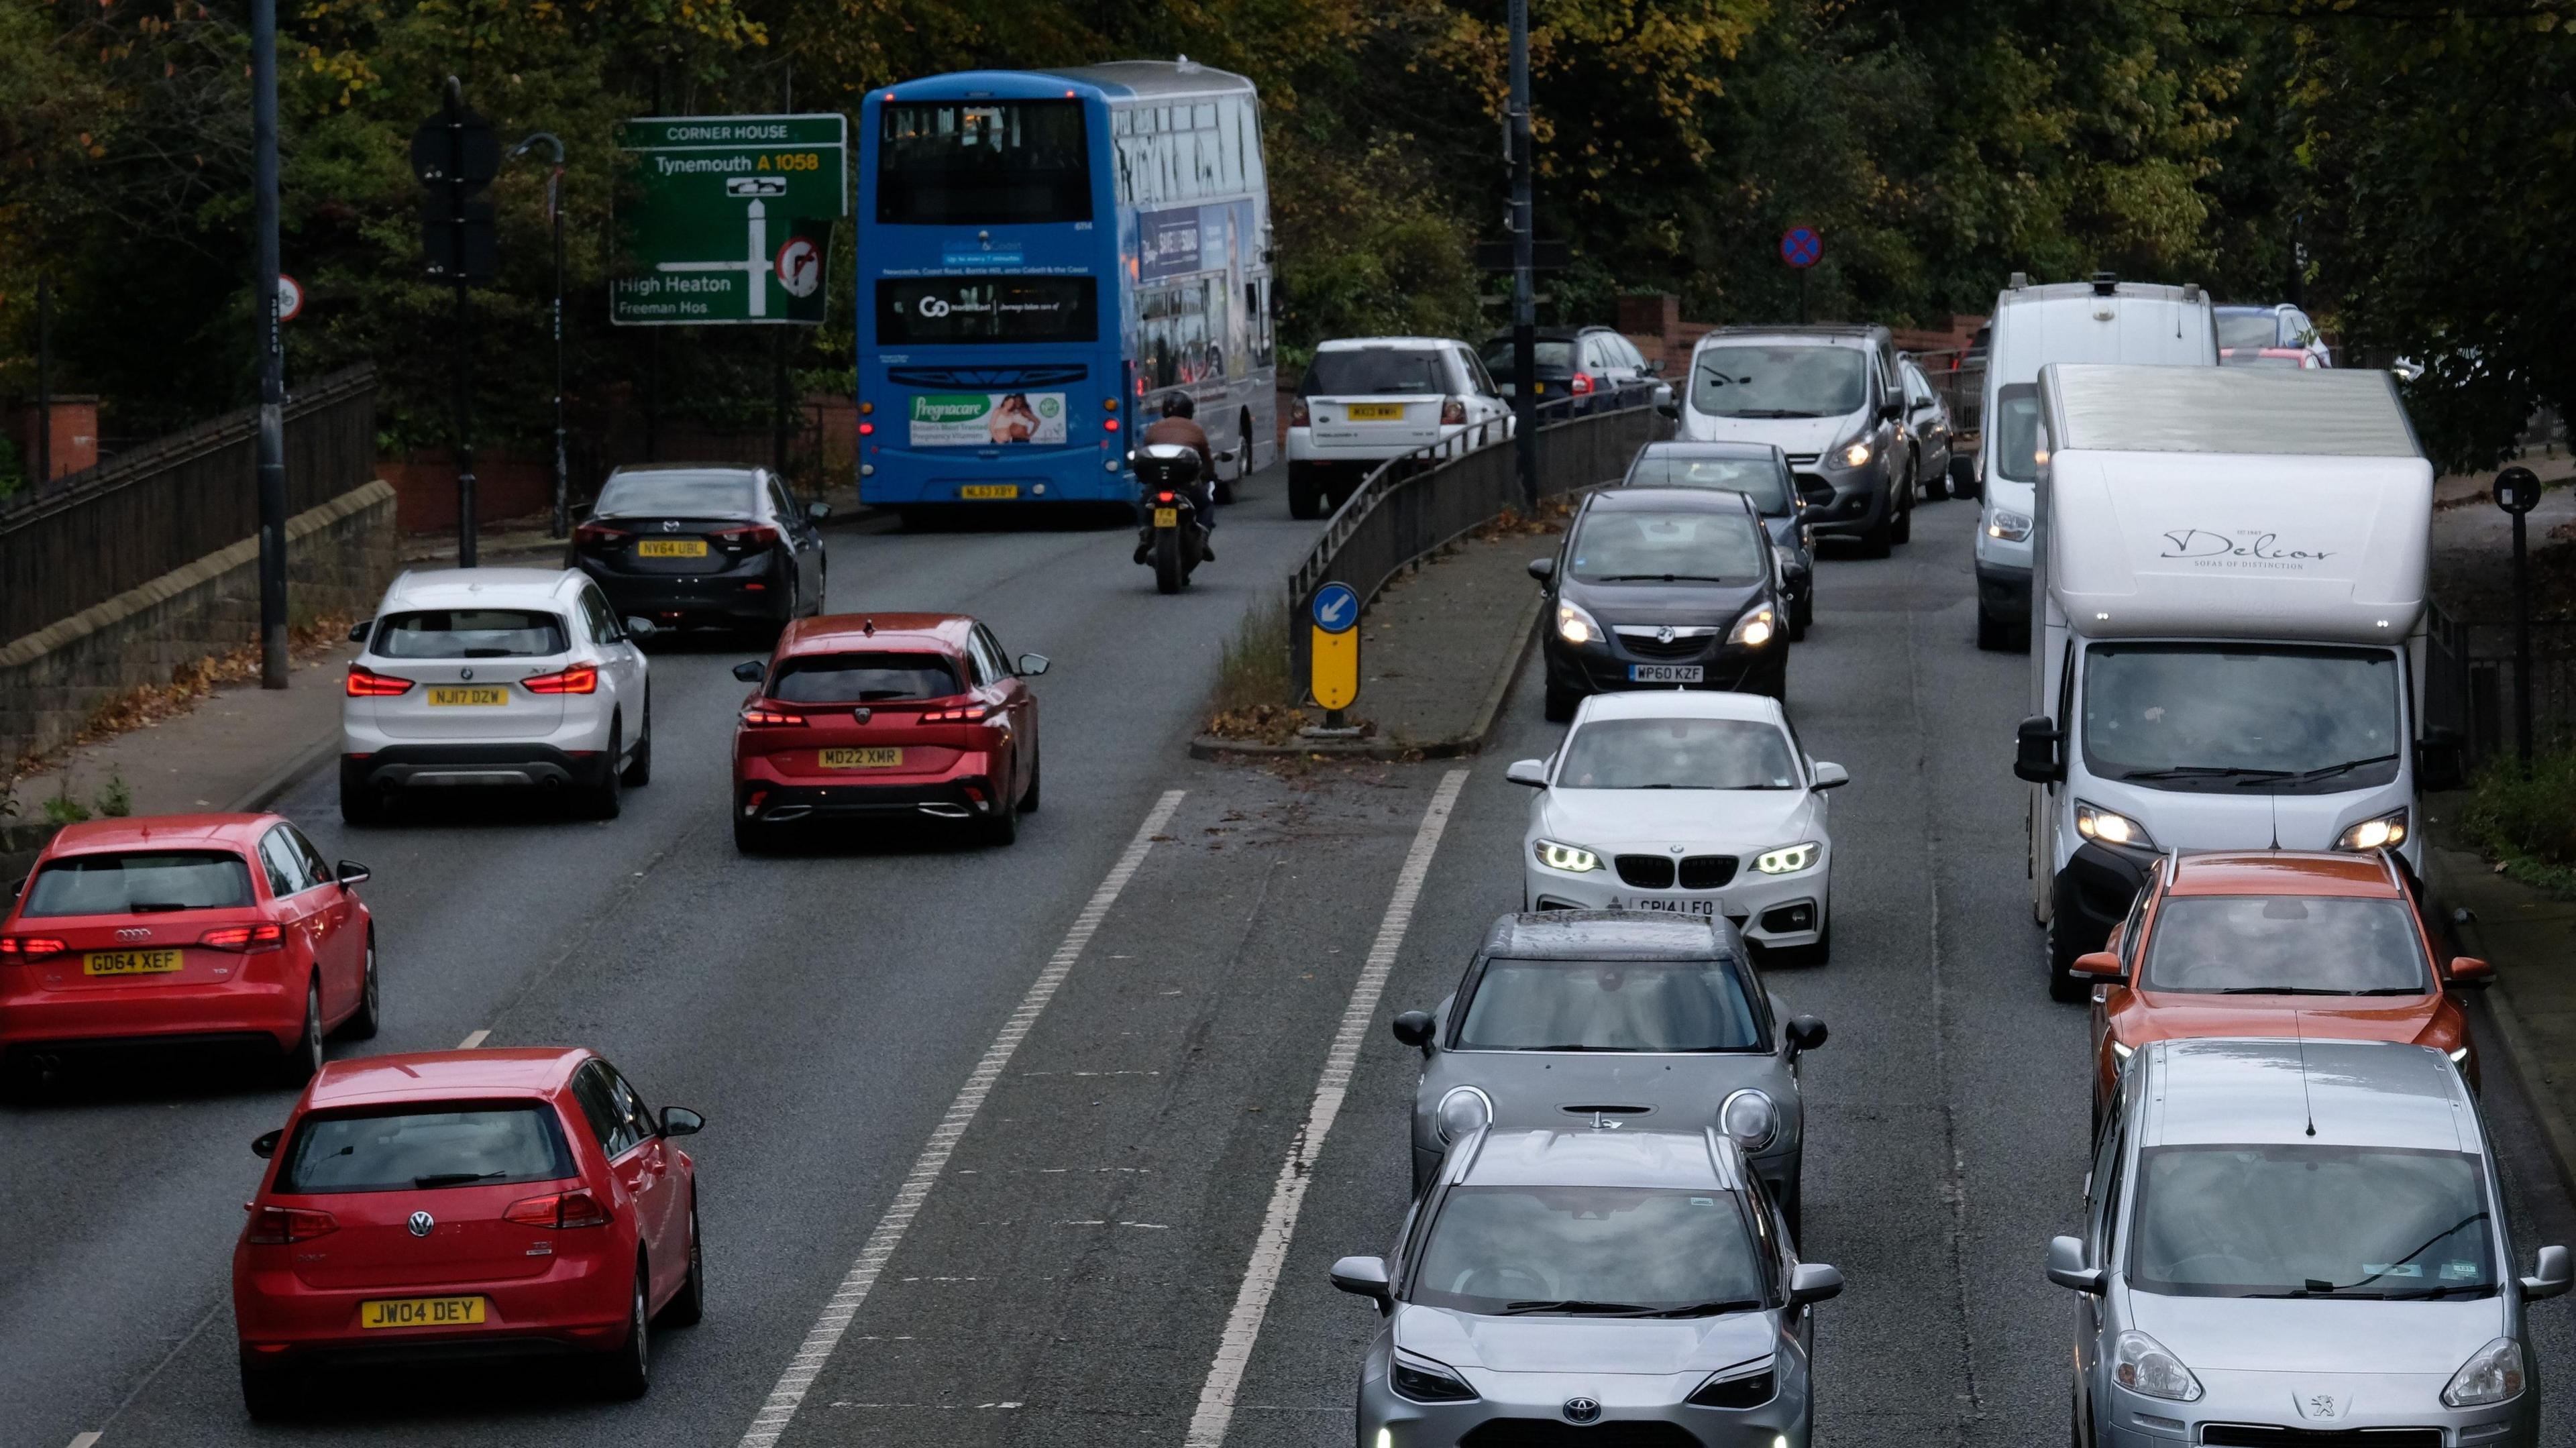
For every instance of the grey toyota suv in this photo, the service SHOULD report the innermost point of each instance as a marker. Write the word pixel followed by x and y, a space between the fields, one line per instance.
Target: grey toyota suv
pixel 1829 397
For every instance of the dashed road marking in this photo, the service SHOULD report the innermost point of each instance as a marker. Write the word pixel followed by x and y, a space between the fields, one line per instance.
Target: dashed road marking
pixel 780 1407
pixel 1270 1248
pixel 474 1040
pixel 84 1440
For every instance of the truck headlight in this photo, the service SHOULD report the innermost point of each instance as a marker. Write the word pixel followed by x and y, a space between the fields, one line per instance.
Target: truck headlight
pixel 1856 455
pixel 1575 626
pixel 1573 859
pixel 1754 629
pixel 1788 859
pixel 2008 525
pixel 2110 827
pixel 2386 832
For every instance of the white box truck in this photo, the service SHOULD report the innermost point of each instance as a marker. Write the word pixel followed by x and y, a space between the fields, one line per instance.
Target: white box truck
pixel 2102 320
pixel 2228 633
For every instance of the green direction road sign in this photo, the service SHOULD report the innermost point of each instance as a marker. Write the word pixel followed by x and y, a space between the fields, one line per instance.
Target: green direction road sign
pixel 728 219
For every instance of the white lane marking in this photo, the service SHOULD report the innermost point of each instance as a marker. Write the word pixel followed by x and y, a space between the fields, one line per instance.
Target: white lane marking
pixel 84 1440
pixel 474 1040
pixel 780 1408
pixel 1270 1248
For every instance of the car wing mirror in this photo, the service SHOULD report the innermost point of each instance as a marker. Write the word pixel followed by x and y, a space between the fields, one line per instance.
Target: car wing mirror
pixel 818 511
pixel 1033 665
pixel 2550 1275
pixel 2066 1266
pixel 1366 1277
pixel 1805 1034
pixel 1669 407
pixel 264 1145
pixel 1830 775
pixel 1813 1282
pixel 2097 963
pixel 358 631
pixel 2469 970
pixel 1414 1029
pixel 640 629
pixel 350 873
pixel 1542 569
pixel 2035 744
pixel 750 671
pixel 681 1121
pixel 1890 411
pixel 1532 772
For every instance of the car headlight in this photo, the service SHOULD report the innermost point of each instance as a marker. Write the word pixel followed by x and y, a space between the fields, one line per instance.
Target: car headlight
pixel 1463 1110
pixel 1425 1381
pixel 2008 525
pixel 1575 626
pixel 2386 832
pixel 1750 1117
pixel 1738 1387
pixel 2493 1374
pixel 2142 1365
pixel 1754 629
pixel 1574 859
pixel 2110 827
pixel 1788 859
pixel 1855 455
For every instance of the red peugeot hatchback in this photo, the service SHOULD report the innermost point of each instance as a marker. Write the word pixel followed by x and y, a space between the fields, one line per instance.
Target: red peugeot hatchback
pixel 886 716
pixel 466 1205
pixel 208 927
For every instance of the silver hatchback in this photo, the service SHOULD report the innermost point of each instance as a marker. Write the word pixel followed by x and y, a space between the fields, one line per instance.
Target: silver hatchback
pixel 1590 1286
pixel 2289 1242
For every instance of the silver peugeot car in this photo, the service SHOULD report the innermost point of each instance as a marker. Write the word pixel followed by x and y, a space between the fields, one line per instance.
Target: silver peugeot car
pixel 1557 1285
pixel 1646 1020
pixel 2296 1242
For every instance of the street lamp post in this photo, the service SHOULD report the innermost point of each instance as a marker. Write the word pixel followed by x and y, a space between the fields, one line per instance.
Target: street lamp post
pixel 555 211
pixel 273 662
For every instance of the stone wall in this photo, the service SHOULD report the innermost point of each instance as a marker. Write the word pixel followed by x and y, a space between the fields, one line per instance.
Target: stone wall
pixel 340 556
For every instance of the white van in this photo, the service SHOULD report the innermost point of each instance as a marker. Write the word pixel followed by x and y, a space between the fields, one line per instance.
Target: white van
pixel 2231 639
pixel 2102 320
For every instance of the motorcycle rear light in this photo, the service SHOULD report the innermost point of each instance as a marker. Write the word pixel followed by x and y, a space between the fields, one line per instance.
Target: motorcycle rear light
pixel 758 535
pixel 277 1226
pixel 1453 412
pixel 760 717
pixel 562 1209
pixel 1581 384
pixel 599 535
pixel 366 683
pixel 579 679
pixel 971 714
pixel 32 947
pixel 247 939
pixel 1163 498
pixel 1297 414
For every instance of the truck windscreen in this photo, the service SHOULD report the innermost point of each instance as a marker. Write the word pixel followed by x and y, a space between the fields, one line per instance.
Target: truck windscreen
pixel 2242 717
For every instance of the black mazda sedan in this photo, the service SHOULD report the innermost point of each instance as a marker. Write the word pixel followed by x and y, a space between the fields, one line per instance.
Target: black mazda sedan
pixel 1662 588
pixel 686 544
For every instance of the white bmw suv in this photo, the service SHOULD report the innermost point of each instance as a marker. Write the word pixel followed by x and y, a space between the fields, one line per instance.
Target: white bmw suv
pixel 495 676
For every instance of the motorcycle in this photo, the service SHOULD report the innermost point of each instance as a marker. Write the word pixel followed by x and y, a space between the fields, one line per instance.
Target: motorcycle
pixel 1168 474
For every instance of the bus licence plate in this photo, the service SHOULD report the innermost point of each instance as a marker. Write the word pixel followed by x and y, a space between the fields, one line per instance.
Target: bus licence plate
pixel 989 490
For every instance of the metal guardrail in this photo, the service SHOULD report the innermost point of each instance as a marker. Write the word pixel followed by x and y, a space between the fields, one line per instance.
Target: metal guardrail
pixel 103 530
pixel 2469 684
pixel 1412 506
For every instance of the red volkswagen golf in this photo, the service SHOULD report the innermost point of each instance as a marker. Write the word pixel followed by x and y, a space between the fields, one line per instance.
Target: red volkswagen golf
pixel 886 716
pixel 467 1204
pixel 222 927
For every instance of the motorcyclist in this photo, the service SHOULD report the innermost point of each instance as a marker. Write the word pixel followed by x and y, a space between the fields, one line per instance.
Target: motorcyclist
pixel 1176 427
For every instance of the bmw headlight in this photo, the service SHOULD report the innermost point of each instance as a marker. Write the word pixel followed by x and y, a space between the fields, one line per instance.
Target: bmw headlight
pixel 1750 1117
pixel 1575 626
pixel 2493 1374
pixel 1425 1381
pixel 1463 1110
pixel 1856 455
pixel 2143 1365
pixel 2008 525
pixel 2384 833
pixel 1788 859
pixel 1574 859
pixel 1754 629
pixel 2110 827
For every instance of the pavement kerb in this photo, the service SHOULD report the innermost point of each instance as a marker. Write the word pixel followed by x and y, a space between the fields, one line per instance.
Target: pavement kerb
pixel 2460 878
pixel 1472 741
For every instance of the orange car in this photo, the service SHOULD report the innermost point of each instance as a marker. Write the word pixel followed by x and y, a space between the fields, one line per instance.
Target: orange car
pixel 2275 943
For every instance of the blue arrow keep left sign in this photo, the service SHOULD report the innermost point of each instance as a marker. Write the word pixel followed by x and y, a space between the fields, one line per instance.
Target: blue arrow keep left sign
pixel 1336 608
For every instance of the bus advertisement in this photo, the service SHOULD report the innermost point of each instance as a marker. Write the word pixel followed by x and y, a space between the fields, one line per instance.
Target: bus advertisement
pixel 1042 257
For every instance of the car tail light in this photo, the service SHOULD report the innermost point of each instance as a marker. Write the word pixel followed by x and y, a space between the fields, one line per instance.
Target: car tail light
pixel 561 1209
pixel 761 716
pixel 32 947
pixel 366 683
pixel 1297 414
pixel 598 535
pixel 579 679
pixel 756 535
pixel 970 714
pixel 1453 412
pixel 1581 384
pixel 247 939
pixel 277 1226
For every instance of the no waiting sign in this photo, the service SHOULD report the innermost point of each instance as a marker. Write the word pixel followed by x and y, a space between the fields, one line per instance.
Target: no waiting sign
pixel 1801 246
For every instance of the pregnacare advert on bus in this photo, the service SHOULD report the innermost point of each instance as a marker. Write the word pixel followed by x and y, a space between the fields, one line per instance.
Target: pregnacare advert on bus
pixel 981 419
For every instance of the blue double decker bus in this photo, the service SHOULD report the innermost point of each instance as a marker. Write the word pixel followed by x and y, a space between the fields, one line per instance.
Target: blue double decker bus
pixel 1042 256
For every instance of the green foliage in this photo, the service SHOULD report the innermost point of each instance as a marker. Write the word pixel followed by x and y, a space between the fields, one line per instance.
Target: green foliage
pixel 2528 825
pixel 116 798
pixel 62 809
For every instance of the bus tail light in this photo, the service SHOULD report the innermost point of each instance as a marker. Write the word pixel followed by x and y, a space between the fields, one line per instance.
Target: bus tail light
pixel 1453 412
pixel 1109 424
pixel 867 429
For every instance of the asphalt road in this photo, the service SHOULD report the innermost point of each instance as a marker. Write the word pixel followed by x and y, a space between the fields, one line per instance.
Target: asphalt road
pixel 995 1136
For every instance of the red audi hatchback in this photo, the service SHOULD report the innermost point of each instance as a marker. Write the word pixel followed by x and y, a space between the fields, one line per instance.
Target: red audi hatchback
pixel 209 927
pixel 466 1205
pixel 886 716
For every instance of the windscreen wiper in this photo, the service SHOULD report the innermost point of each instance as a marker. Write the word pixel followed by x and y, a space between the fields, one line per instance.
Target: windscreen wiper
pixel 2329 771
pixel 1579 1305
pixel 1703 1309
pixel 2205 771
pixel 149 907
pixel 2303 990
pixel 1772 412
pixel 1657 578
pixel 1576 1047
pixel 454 1178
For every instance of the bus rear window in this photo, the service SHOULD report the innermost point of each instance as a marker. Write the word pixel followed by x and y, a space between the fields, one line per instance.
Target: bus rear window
pixel 980 163
pixel 987 309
